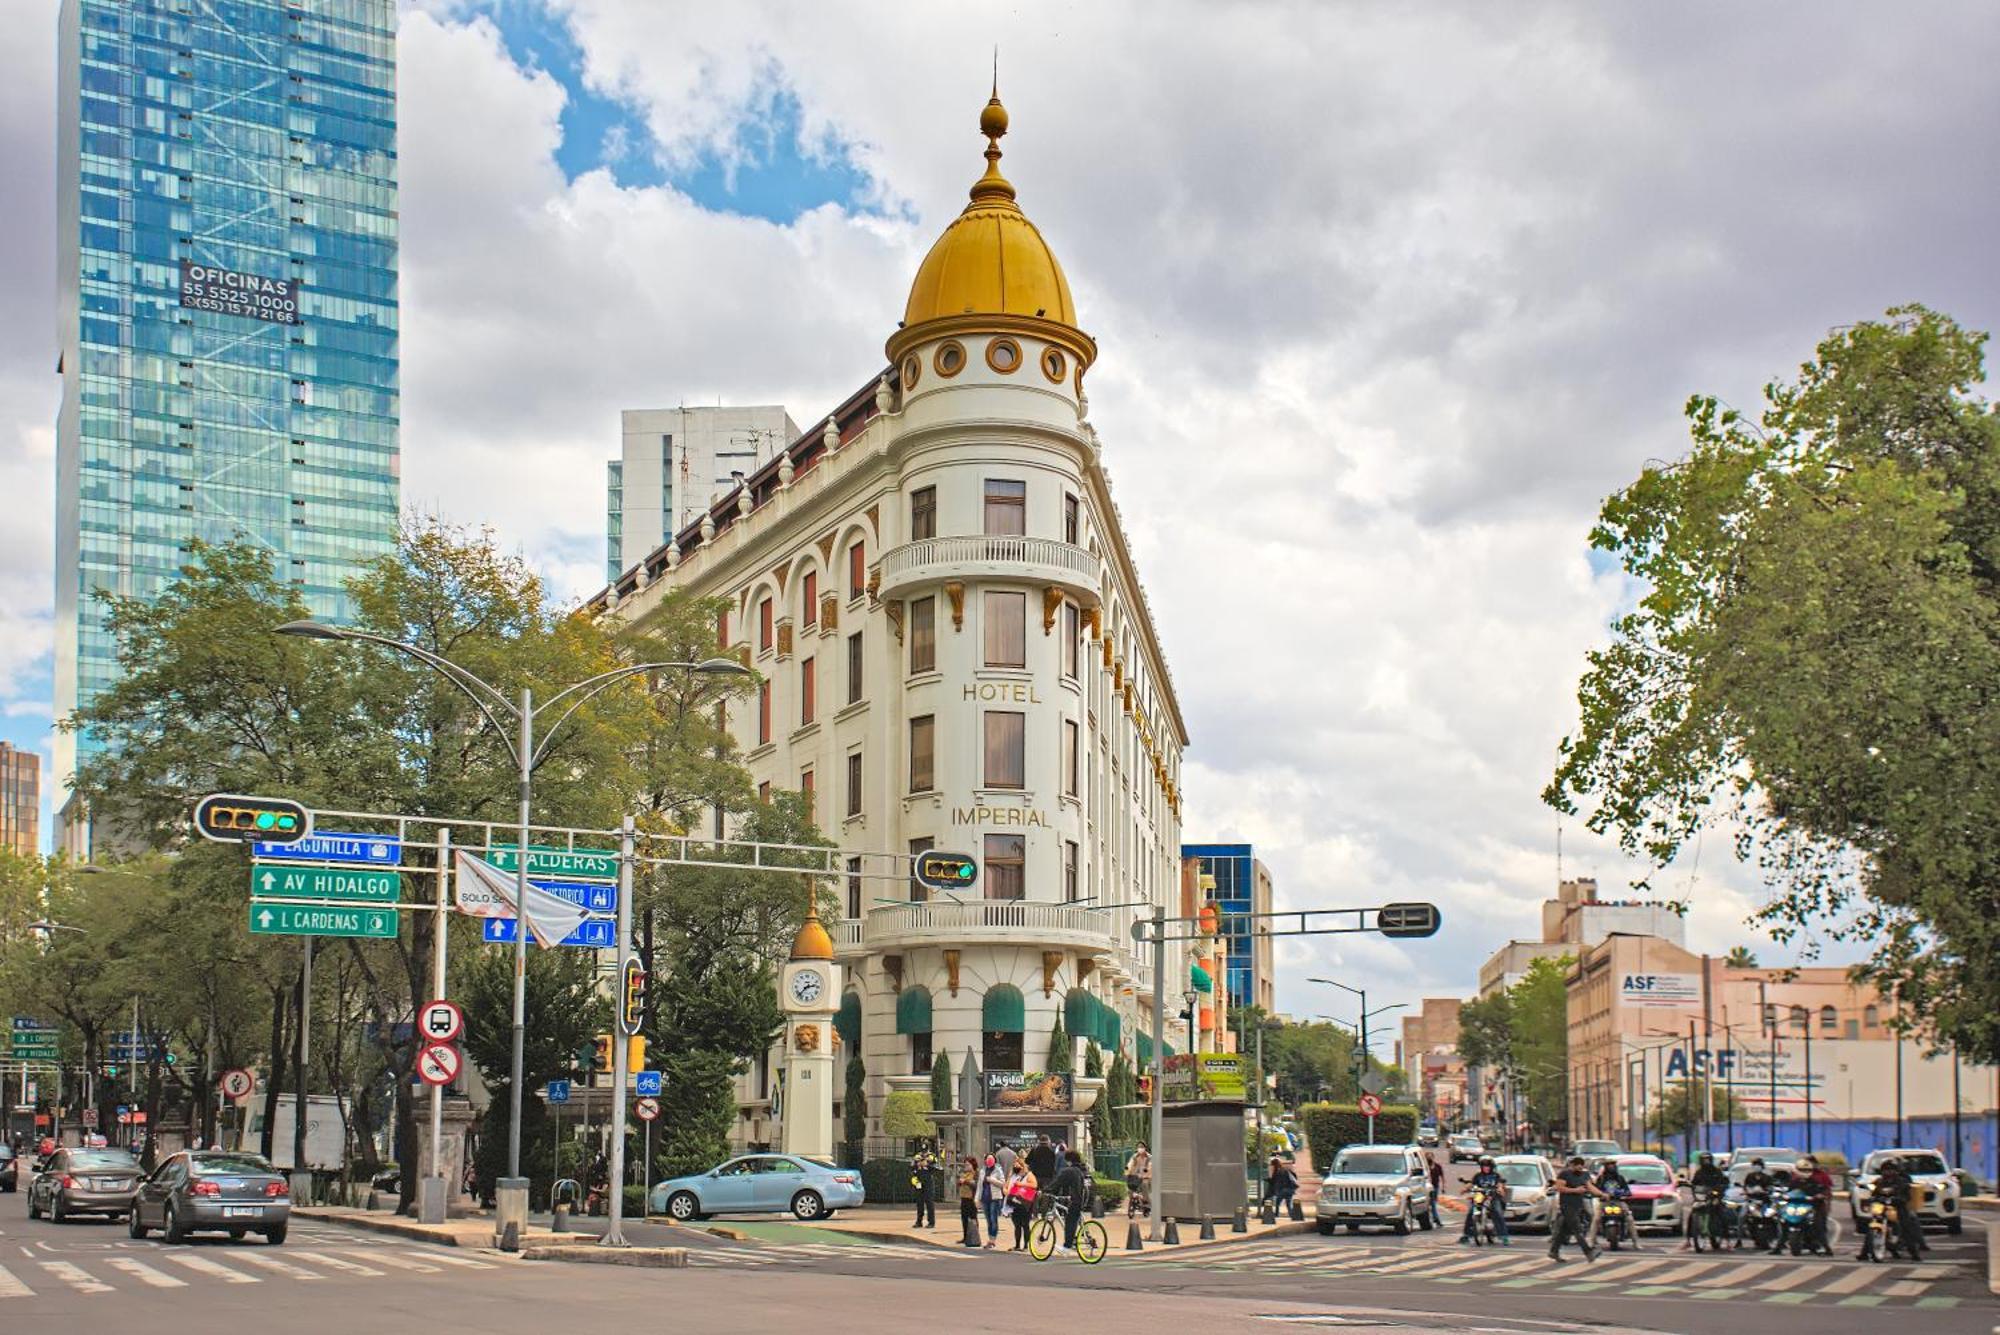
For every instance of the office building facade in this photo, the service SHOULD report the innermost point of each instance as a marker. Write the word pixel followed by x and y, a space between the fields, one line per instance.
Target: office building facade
pixel 227 306
pixel 1242 887
pixel 672 464
pixel 20 800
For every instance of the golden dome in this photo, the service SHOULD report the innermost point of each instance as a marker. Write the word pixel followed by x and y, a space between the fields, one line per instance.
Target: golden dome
pixel 812 942
pixel 991 261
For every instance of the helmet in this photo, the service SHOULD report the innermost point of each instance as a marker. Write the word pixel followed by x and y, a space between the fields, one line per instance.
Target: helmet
pixel 1707 1159
pixel 1485 1161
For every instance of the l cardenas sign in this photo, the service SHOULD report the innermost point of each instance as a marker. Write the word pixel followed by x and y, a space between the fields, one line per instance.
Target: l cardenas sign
pixel 1660 991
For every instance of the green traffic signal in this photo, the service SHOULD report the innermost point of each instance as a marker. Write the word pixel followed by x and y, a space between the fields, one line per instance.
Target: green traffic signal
pixel 232 818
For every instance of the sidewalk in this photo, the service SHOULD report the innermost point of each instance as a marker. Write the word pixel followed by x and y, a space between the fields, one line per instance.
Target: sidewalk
pixel 891 1224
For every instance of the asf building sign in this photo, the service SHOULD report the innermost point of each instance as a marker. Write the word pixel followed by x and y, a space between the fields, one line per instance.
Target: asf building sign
pixel 205 287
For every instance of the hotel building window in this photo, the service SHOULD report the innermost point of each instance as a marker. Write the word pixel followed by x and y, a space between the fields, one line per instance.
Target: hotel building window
pixel 1072 622
pixel 857 571
pixel 923 635
pixel 1006 630
pixel 1006 508
pixel 919 892
pixel 854 889
pixel 763 712
pixel 1072 519
pixel 764 635
pixel 923 513
pixel 923 753
pixel 811 592
pixel 1072 759
pixel 808 691
pixel 1006 866
pixel 854 663
pixel 1070 889
pixel 854 783
pixel 1006 749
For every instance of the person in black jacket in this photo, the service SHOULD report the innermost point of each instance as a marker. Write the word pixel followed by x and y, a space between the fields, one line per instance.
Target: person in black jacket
pixel 1042 1162
pixel 1072 1187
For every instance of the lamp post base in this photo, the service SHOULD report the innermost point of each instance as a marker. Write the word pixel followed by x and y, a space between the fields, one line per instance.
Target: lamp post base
pixel 430 1200
pixel 510 1212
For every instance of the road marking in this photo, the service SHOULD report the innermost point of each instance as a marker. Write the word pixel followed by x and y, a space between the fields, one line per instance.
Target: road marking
pixel 273 1264
pixel 1863 1300
pixel 448 1259
pixel 401 1262
pixel 11 1287
pixel 1792 1277
pixel 1908 1288
pixel 1742 1273
pixel 75 1276
pixel 1789 1299
pixel 1485 1262
pixel 1937 1302
pixel 1853 1281
pixel 201 1265
pixel 139 1270
pixel 1686 1272
pixel 352 1267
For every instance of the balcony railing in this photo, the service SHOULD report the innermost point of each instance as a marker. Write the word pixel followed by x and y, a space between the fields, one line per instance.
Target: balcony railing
pixel 1035 560
pixel 1009 920
pixel 847 937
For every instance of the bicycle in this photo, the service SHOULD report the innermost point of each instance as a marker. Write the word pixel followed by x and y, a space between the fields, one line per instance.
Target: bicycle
pixel 1092 1242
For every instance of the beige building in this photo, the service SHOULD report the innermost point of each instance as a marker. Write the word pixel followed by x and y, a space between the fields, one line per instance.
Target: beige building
pixel 20 800
pixel 956 653
pixel 1577 917
pixel 1645 1013
pixel 1429 1054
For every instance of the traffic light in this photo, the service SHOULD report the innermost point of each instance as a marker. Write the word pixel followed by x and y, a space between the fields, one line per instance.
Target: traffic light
pixel 946 871
pixel 1407 920
pixel 230 818
pixel 632 1010
pixel 635 1053
pixel 600 1054
pixel 1145 1089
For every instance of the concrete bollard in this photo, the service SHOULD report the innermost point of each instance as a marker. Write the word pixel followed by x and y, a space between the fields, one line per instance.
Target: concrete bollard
pixel 971 1223
pixel 374 1202
pixel 1135 1240
pixel 510 1237
pixel 1298 1211
pixel 1172 1237
pixel 1240 1223
pixel 1096 1206
pixel 1268 1214
pixel 1207 1229
pixel 559 1219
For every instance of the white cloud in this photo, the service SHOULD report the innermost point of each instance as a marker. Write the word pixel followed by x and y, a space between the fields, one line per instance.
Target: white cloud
pixel 1387 300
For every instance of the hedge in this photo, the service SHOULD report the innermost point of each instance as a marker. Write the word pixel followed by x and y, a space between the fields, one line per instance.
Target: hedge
pixel 1110 1190
pixel 887 1182
pixel 1329 1126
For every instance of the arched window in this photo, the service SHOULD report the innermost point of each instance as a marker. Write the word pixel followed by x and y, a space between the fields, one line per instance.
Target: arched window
pixel 1801 1022
pixel 1829 1020
pixel 1002 1017
pixel 913 1018
pixel 1770 1019
pixel 1872 1017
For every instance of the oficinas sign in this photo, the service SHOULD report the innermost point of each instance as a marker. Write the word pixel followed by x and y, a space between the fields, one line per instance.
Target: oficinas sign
pixel 204 287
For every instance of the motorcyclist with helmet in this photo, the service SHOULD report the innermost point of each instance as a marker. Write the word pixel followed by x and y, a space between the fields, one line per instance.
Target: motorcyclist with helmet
pixel 1614 1186
pixel 1817 1183
pixel 1895 1185
pixel 1488 1180
pixel 1710 1179
pixel 1758 1188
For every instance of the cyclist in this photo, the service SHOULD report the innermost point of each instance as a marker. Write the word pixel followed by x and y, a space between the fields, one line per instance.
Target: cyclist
pixel 1072 1187
pixel 1490 1182
pixel 1707 1178
pixel 1615 1188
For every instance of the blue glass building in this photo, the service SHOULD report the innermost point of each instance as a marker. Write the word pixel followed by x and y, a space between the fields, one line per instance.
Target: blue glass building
pixel 1242 886
pixel 227 247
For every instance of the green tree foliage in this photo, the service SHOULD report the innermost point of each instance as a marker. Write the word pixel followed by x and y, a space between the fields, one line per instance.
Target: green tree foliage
pixel 1121 1087
pixel 1522 1033
pixel 941 1088
pixel 854 1111
pixel 906 1113
pixel 697 1108
pixel 1740 957
pixel 1329 1126
pixel 1311 1061
pixel 1677 1110
pixel 1062 1050
pixel 1812 658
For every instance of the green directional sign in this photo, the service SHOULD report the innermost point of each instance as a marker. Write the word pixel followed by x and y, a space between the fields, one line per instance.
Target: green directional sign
pixel 312 920
pixel 30 1047
pixel 346 883
pixel 583 864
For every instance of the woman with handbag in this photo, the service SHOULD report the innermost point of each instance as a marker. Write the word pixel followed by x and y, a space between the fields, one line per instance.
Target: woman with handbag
pixel 1022 1188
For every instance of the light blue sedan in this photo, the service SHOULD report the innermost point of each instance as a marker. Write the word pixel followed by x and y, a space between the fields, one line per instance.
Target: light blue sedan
pixel 761 1184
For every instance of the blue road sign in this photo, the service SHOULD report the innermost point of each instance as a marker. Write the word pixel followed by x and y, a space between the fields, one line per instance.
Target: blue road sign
pixel 558 1091
pixel 596 896
pixel 24 1023
pixel 596 933
pixel 646 1084
pixel 323 846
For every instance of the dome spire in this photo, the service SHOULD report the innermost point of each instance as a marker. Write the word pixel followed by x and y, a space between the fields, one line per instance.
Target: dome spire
pixel 993 187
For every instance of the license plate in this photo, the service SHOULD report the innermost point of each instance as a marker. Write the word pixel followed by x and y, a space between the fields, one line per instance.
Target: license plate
pixel 241 1211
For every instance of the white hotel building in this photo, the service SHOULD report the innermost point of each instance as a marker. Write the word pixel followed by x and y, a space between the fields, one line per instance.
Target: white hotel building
pixel 956 653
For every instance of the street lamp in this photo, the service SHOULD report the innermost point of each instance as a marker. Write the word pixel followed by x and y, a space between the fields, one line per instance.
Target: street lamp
pixel 528 753
pixel 1361 992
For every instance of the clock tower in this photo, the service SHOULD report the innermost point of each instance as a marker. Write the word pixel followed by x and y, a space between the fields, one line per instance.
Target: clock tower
pixel 810 990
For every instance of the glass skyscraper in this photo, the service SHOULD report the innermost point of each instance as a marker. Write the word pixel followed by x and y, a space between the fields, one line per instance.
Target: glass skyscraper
pixel 1242 886
pixel 227 247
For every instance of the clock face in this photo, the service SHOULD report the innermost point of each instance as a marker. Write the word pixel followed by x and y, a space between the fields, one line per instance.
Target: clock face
pixel 806 987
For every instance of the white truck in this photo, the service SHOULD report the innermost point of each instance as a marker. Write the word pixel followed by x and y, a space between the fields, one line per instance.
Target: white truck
pixel 326 1143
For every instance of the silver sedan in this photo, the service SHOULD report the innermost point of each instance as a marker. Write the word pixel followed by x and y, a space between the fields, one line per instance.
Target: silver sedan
pixel 213 1191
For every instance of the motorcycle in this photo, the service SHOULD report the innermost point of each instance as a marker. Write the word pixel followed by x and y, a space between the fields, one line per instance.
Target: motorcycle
pixel 1483 1234
pixel 1795 1225
pixel 1881 1229
pixel 1705 1219
pixel 1760 1219
pixel 1615 1222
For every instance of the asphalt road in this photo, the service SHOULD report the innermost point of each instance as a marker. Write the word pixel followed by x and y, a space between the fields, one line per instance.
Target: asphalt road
pixel 330 1278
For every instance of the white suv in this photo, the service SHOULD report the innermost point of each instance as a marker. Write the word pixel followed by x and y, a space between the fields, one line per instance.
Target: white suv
pixel 1928 1172
pixel 1375 1184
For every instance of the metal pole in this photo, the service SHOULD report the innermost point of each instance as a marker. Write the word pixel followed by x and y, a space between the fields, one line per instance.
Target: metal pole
pixel 1262 1183
pixel 645 1193
pixel 1809 1086
pixel 1957 1144
pixel 1159 1119
pixel 1899 1068
pixel 305 1056
pixel 515 1075
pixel 1366 1057
pixel 438 962
pixel 614 1235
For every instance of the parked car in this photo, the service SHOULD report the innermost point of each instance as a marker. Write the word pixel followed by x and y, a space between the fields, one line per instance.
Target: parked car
pixel 1940 1186
pixel 84 1182
pixel 213 1191
pixel 1531 1199
pixel 1375 1184
pixel 1656 1197
pixel 1466 1147
pixel 1595 1152
pixel 761 1184
pixel 10 1167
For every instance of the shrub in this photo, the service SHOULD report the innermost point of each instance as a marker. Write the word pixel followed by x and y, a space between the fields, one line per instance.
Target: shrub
pixel 1109 1190
pixel 1329 1126
pixel 905 1113
pixel 887 1181
pixel 635 1201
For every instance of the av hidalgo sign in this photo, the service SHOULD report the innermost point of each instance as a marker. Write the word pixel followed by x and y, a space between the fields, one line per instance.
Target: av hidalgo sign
pixel 205 287
pixel 1660 991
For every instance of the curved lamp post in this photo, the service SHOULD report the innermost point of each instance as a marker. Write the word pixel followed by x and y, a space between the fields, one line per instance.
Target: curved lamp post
pixel 515 722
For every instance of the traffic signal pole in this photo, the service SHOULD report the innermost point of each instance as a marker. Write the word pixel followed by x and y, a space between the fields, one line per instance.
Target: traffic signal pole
pixel 621 1044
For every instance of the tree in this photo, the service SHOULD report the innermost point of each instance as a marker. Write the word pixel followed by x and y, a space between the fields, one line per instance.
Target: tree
pixel 1062 1052
pixel 1677 1112
pixel 1540 1042
pixel 941 1092
pixel 1811 659
pixel 1121 1088
pixel 854 1111
pixel 1312 1062
pixel 1740 957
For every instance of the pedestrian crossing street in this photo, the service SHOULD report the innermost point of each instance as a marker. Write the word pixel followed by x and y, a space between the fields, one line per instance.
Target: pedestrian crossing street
pixel 308 1256
pixel 1653 1273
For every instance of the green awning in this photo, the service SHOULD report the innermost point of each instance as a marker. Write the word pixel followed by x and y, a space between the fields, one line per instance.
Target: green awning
pixel 847 1021
pixel 1003 1011
pixel 1202 982
pixel 1079 1015
pixel 913 1011
pixel 1109 1028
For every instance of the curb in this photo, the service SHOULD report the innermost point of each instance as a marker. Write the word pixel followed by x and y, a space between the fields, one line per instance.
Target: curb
pixel 655 1258
pixel 395 1228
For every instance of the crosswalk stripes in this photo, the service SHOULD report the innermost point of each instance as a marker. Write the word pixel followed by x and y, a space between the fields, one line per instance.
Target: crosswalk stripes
pixel 11 1287
pixel 337 1263
pixel 75 1276
pixel 156 1267
pixel 145 1274
pixel 263 1260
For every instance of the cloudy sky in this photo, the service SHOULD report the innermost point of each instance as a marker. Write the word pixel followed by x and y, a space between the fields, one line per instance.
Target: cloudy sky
pixel 1388 298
